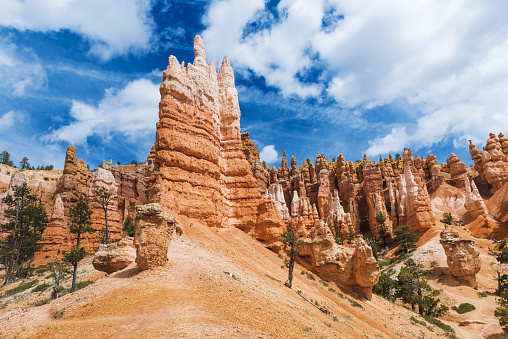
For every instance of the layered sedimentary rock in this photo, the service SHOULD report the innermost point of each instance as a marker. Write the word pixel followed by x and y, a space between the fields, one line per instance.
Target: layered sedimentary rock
pixel 414 205
pixel 249 149
pixel 200 170
pixel 457 169
pixel 353 266
pixel 491 163
pixel 114 257
pixel 462 258
pixel 154 229
pixel 474 203
pixel 373 186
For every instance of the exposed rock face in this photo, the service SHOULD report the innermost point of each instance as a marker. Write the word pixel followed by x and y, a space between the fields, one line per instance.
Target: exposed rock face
pixel 414 206
pixel 114 257
pixel 200 169
pixel 458 170
pixel 348 266
pixel 276 194
pixel 491 164
pixel 268 229
pixel 463 260
pixel 154 229
pixel 105 179
pixel 249 149
pixel 262 176
pixel 373 186
pixel 474 203
pixel 323 196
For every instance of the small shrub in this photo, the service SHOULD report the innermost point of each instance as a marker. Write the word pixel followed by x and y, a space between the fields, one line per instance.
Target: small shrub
pixel 439 324
pixel 354 303
pixel 41 287
pixel 433 263
pixel 331 289
pixel 58 314
pixel 502 245
pixel 21 288
pixel 465 307
pixel 42 302
pixel 482 295
pixel 416 321
pixel 334 318
pixel 83 284
pixel 324 283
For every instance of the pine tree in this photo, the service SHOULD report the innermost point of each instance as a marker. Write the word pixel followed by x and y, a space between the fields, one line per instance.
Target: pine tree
pixel 103 197
pixel 501 311
pixel 404 237
pixel 350 234
pixel 382 231
pixel 5 158
pixel 26 220
pixel 289 238
pixel 79 216
pixel 23 164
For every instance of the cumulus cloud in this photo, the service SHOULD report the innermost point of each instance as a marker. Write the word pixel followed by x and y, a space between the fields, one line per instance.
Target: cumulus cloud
pixel 269 154
pixel 8 119
pixel 20 70
pixel 112 28
pixel 130 112
pixel 447 59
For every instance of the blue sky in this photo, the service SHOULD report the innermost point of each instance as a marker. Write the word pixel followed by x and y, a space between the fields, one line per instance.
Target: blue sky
pixel 332 76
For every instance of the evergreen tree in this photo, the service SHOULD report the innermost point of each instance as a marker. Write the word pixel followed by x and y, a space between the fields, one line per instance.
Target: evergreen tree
pixel 26 220
pixel 128 227
pixel 103 197
pixel 57 268
pixel 289 238
pixel 448 219
pixel 501 311
pixel 350 234
pixel 339 236
pixel 382 231
pixel 404 237
pixel 500 268
pixel 79 216
pixel 23 164
pixel 5 158
pixel 413 289
pixel 385 286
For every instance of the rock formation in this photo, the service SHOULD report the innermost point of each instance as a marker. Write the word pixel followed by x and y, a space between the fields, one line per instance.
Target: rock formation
pixel 474 203
pixel 373 186
pixel 114 256
pixel 154 229
pixel 491 164
pixel 200 170
pixel 249 148
pixel 353 266
pixel 457 169
pixel 463 260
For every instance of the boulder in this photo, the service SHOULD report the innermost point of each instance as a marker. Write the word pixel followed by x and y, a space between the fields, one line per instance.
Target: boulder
pixel 154 229
pixel 462 258
pixel 114 257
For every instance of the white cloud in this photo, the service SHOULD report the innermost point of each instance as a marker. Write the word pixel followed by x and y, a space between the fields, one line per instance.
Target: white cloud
pixel 20 70
pixel 131 112
pixel 8 119
pixel 112 27
pixel 269 154
pixel 447 59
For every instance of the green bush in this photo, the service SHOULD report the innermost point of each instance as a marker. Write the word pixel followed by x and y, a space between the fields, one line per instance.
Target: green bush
pixel 465 307
pixel 21 288
pixel 42 302
pixel 482 295
pixel 83 284
pixel 41 287
pixel 438 323
pixel 502 245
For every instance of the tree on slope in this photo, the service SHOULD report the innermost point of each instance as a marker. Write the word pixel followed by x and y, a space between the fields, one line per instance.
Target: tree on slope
pixel 103 197
pixel 5 158
pixel 382 232
pixel 26 220
pixel 79 216
pixel 290 239
pixel 405 237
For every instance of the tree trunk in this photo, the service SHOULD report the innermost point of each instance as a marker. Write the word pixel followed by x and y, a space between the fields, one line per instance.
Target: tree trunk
pixel 54 295
pixel 74 277
pixel 289 282
pixel 106 221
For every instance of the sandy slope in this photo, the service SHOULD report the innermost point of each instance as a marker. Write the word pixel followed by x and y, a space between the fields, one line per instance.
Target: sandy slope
pixel 192 297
